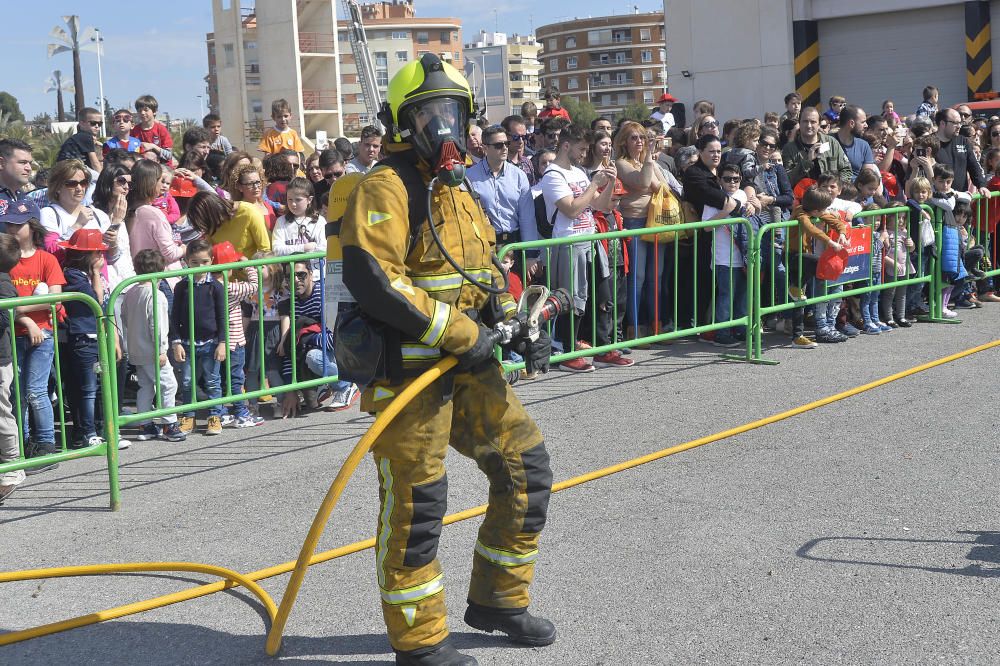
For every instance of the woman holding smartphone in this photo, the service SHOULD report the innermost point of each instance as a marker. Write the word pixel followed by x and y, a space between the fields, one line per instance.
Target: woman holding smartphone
pixel 111 198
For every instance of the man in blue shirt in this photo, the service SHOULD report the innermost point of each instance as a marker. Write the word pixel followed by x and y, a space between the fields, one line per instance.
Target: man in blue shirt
pixel 504 193
pixel 853 123
pixel 15 168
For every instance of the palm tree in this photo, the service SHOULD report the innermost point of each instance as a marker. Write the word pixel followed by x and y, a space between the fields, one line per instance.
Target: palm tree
pixel 13 129
pixel 57 85
pixel 70 41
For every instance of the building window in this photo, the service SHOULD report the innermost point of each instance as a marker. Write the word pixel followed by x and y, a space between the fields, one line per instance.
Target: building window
pixel 422 38
pixel 257 106
pixel 605 100
pixel 645 35
pixel 458 57
pixel 228 57
pixel 553 65
pixel 553 44
pixel 663 55
pixel 647 96
pixel 572 83
pixel 647 56
pixel 647 76
pixel 571 42
pixel 381 69
pixel 402 56
pixel 400 35
pixel 250 46
pixel 623 98
pixel 571 62
pixel 445 37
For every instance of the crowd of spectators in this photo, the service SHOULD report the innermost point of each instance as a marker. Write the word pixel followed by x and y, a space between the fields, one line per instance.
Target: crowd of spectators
pixel 136 204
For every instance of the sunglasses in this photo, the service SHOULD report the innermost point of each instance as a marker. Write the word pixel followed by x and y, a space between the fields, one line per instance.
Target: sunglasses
pixel 301 275
pixel 518 137
pixel 334 174
pixel 73 184
pixel 824 126
pixel 731 179
pixel 94 123
pixel 768 144
pixel 123 119
pixel 253 183
pixel 994 133
pixel 710 123
pixel 499 145
pixel 124 181
pixel 965 115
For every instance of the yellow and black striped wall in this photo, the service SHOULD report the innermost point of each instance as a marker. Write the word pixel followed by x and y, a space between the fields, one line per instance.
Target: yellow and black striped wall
pixel 805 42
pixel 978 58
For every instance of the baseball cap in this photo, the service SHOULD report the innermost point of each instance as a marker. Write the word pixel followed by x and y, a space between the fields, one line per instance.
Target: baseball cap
pixel 85 240
pixel 18 212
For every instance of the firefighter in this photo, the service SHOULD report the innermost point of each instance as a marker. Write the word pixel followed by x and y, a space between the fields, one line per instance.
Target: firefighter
pixel 435 291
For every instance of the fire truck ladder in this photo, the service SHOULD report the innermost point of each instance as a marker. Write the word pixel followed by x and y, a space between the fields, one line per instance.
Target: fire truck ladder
pixel 363 60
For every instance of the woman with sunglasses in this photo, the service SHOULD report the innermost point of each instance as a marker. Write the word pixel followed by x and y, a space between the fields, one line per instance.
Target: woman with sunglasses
pixel 111 198
pixel 704 124
pixel 69 181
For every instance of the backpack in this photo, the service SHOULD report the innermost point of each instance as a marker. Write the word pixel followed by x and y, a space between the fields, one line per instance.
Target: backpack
pixel 542 221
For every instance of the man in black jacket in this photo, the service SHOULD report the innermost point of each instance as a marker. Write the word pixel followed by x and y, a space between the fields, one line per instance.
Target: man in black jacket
pixel 956 152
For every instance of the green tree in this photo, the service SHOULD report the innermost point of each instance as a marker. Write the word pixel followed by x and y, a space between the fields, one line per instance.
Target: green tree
pixel 636 111
pixel 582 112
pixel 10 107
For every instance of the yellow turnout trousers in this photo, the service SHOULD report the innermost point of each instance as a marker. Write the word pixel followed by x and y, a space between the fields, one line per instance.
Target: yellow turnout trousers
pixel 481 419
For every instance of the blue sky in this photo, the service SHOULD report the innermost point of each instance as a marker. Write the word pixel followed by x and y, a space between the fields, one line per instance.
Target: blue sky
pixel 166 55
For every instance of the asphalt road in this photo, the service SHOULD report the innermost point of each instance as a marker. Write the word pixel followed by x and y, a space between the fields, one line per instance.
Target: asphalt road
pixel 862 532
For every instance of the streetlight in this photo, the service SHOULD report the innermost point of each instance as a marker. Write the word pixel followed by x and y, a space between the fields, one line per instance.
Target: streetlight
pixel 201 104
pixel 486 106
pixel 96 45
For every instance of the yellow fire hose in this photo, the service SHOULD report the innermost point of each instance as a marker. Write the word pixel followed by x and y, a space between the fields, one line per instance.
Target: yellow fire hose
pixel 306 558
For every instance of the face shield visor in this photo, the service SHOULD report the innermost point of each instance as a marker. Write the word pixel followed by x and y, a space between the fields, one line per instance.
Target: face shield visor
pixel 433 123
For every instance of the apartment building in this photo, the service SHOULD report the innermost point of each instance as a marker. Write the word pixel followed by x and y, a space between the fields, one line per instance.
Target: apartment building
pixel 262 51
pixel 504 72
pixel 613 61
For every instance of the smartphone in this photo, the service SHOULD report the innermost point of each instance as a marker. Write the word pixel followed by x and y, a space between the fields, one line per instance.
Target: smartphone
pixel 668 142
pixel 920 152
pixel 114 227
pixel 900 132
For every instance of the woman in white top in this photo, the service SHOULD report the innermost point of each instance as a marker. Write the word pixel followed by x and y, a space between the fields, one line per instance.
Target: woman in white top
pixel 301 229
pixel 68 183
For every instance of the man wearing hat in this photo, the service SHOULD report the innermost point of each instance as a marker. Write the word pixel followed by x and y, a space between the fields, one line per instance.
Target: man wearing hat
pixel 662 113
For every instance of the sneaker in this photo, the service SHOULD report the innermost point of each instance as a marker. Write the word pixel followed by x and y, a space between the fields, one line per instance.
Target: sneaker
pixel 612 359
pixel 148 432
pixel 227 419
pixel 795 294
pixel 871 329
pixel 964 304
pixel 581 345
pixel 726 341
pixel 528 376
pixel 123 443
pixel 97 440
pixel 172 433
pixel 892 323
pixel 345 399
pixel 849 330
pixel 186 424
pixel 828 336
pixel 920 311
pixel 214 426
pixel 905 323
pixel 802 342
pixel 249 421
pixel 950 314
pixel 626 350
pixel 884 327
pixel 325 395
pixel 576 365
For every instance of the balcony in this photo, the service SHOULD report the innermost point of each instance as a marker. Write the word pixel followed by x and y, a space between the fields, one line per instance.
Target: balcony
pixel 316 42
pixel 617 83
pixel 607 62
pixel 253 68
pixel 319 100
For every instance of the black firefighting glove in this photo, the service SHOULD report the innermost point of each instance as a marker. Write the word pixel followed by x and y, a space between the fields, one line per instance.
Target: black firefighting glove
pixel 481 351
pixel 536 354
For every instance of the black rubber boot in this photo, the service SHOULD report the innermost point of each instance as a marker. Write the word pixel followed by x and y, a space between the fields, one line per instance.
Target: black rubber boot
pixel 442 654
pixel 520 625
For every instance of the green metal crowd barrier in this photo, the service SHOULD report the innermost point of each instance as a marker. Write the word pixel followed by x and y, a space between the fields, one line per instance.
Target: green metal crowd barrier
pixel 66 450
pixel 687 259
pixel 191 403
